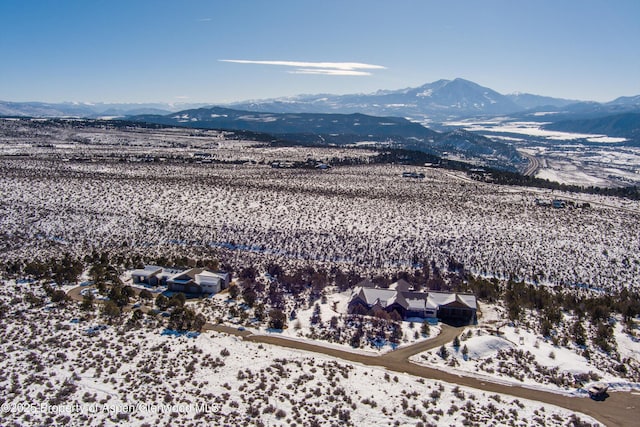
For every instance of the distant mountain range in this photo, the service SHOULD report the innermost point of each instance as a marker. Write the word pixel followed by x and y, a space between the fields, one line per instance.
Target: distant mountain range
pixel 87 110
pixel 434 102
pixel 626 125
pixel 386 117
pixel 528 101
pixel 343 129
pixel 430 103
pixel 440 100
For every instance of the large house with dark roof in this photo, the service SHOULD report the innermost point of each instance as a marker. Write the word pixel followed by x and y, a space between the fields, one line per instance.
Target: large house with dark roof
pixel 192 281
pixel 153 275
pixel 198 281
pixel 447 306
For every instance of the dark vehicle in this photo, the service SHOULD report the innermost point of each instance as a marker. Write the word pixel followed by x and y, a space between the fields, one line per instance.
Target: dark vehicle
pixel 598 391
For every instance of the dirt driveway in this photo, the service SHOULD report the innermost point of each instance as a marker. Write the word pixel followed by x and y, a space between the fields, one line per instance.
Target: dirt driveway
pixel 619 409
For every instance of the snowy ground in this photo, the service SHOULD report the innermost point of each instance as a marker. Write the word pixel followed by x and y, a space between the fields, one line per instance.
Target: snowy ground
pixel 499 125
pixel 366 218
pixel 518 355
pixel 76 191
pixel 301 327
pixel 19 138
pixel 521 356
pixel 54 373
pixel 568 158
pixel 586 165
pixel 323 333
pixel 363 218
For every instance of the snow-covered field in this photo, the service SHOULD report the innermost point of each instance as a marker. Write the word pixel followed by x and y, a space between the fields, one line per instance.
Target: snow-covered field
pixel 520 355
pixel 147 195
pixel 106 142
pixel 323 331
pixel 55 373
pixel 587 166
pixel 530 129
pixel 366 218
pixel 568 158
pixel 302 329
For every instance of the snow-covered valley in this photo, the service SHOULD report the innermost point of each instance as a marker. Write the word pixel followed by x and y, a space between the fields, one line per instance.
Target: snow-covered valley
pixel 119 199
pixel 565 157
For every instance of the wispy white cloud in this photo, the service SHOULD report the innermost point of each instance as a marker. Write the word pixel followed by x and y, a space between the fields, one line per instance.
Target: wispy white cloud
pixel 329 72
pixel 321 68
pixel 203 20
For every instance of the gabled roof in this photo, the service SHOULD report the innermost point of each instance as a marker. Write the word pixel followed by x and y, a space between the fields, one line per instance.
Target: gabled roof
pixel 451 298
pixel 148 270
pixel 192 272
pixel 468 300
pixel 186 275
pixel 372 296
pixel 208 278
pixel 167 273
pixel 366 283
pixel 436 299
pixel 416 301
pixel 399 299
pixel 401 285
pixel 208 273
pixel 413 301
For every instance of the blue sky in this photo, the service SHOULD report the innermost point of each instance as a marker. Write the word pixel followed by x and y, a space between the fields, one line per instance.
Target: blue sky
pixel 173 51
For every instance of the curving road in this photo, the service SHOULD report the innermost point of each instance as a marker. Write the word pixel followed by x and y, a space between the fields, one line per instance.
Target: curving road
pixel 619 409
pixel 533 166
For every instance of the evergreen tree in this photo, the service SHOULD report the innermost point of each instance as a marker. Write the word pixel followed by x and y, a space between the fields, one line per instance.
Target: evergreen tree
pixel 118 295
pixel 396 333
pixel 249 297
pixel 277 319
pixel 59 296
pixel 465 351
pixel 177 300
pixel 111 310
pixel 162 302
pixel 145 295
pixel 425 330
pixel 315 317
pixel 233 291
pixel 258 312
pixel 579 333
pixel 87 302
pixel 443 352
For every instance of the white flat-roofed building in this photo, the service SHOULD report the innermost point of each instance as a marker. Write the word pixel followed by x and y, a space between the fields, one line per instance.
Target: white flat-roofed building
pixel 193 280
